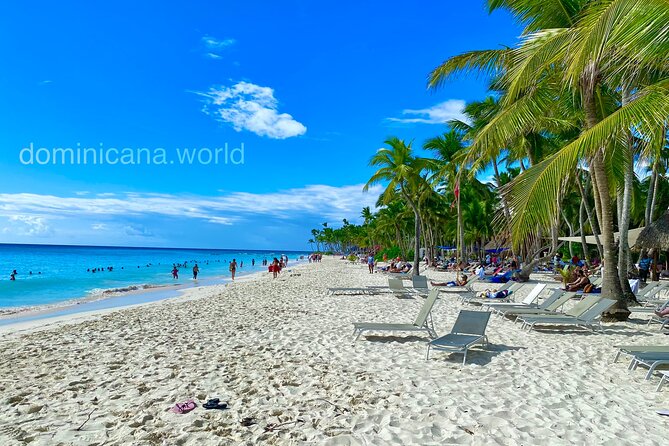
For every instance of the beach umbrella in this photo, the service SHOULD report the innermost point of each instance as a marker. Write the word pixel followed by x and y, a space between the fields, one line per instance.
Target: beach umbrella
pixel 655 235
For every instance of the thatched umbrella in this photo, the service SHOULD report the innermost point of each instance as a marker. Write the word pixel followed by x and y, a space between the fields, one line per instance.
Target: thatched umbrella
pixel 655 236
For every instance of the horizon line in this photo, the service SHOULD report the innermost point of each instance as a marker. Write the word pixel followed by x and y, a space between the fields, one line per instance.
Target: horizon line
pixel 148 247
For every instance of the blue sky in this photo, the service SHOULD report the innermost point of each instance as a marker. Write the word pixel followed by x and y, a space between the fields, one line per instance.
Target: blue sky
pixel 309 89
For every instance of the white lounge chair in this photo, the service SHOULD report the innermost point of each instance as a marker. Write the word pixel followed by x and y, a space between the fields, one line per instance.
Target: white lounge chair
pixel 468 330
pixel 631 350
pixel 423 322
pixel 549 306
pixel 420 285
pixel 575 311
pixel 526 302
pixel 353 291
pixel 665 377
pixel 511 286
pixel 652 360
pixel 397 288
pixel 587 319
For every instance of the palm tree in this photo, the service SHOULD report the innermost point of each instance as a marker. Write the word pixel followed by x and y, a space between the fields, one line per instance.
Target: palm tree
pixel 447 146
pixel 403 173
pixel 589 50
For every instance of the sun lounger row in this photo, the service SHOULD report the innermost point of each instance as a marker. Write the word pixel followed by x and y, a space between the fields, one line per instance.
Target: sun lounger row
pixel 468 330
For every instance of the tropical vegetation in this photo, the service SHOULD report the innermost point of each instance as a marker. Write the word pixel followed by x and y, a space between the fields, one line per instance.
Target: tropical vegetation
pixel 574 131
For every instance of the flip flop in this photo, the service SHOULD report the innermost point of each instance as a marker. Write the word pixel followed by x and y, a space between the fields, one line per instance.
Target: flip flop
pixel 183 408
pixel 214 404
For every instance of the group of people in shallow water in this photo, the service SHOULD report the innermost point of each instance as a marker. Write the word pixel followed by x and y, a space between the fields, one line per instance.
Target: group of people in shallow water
pixel 13 274
pixel 274 267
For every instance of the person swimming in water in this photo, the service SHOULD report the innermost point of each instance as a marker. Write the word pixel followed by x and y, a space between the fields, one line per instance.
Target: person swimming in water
pixel 175 272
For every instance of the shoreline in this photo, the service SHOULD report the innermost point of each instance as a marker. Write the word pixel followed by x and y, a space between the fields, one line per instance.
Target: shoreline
pixel 26 317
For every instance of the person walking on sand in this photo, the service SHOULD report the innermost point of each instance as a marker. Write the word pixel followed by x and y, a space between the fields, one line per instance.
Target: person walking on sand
pixel 275 268
pixel 233 268
pixel 175 272
pixel 370 263
pixel 196 270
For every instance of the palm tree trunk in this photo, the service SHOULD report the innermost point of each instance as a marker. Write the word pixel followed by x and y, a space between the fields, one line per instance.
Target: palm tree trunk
pixel 571 233
pixel 416 252
pixel 624 206
pixel 594 224
pixel 649 197
pixel 461 232
pixel 581 220
pixel 611 280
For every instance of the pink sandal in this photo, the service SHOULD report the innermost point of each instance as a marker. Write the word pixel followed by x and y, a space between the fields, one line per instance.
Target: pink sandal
pixel 184 407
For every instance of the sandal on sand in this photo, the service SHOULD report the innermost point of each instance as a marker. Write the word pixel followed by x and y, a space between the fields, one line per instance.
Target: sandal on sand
pixel 184 407
pixel 214 403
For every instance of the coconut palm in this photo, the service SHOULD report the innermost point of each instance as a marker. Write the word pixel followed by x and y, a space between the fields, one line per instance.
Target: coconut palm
pixel 586 52
pixel 404 174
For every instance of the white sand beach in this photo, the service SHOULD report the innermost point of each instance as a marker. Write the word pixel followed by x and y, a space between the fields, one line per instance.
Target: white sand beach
pixel 281 352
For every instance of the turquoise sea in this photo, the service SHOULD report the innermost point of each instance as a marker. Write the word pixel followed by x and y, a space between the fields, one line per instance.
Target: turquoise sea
pixel 55 274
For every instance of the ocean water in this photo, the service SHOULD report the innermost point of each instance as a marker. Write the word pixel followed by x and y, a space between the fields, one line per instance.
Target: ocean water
pixel 61 273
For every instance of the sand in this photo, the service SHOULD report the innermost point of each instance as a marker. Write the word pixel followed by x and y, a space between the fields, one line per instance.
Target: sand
pixel 281 352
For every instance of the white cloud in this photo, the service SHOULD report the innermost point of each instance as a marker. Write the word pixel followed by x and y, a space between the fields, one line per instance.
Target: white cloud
pixel 217 44
pixel 213 46
pixel 98 226
pixel 137 231
pixel 253 108
pixel 31 225
pixel 328 202
pixel 437 114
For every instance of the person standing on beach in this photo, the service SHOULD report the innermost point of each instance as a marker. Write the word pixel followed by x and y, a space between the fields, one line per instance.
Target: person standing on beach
pixel 233 268
pixel 196 270
pixel 370 263
pixel 275 267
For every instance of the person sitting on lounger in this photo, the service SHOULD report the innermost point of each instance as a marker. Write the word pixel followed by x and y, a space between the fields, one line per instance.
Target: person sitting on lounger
pixel 663 312
pixel 400 268
pixel 459 281
pixel 580 282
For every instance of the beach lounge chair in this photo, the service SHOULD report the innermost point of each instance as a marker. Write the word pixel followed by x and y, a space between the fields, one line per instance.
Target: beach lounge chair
pixel 549 306
pixel 650 310
pixel 575 311
pixel 631 350
pixel 353 291
pixel 641 295
pixel 527 301
pixel 587 319
pixel 663 379
pixel 406 275
pixel 423 322
pixel 468 330
pixel 420 285
pixel 397 288
pixel 652 360
pixel 650 295
pixel 511 286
